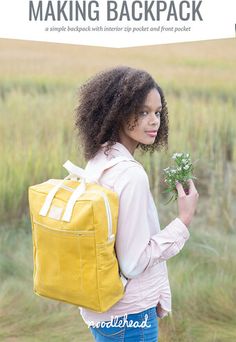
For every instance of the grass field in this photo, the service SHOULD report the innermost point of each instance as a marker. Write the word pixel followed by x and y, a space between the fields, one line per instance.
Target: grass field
pixel 38 85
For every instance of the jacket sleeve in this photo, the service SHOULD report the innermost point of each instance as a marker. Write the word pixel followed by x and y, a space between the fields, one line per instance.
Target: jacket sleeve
pixel 136 249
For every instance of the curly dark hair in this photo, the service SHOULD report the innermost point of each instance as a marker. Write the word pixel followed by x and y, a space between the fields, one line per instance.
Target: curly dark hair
pixel 107 100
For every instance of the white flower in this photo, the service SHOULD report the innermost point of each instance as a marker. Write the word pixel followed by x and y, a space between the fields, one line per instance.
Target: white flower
pixel 186 167
pixel 173 171
pixel 176 155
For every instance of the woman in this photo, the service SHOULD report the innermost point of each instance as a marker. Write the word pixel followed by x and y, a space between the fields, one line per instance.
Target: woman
pixel 122 109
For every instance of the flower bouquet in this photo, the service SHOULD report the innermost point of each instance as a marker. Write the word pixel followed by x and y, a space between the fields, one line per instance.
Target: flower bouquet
pixel 181 173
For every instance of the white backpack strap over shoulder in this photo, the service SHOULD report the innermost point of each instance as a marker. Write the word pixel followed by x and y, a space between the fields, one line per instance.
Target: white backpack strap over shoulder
pixel 94 176
pixel 115 161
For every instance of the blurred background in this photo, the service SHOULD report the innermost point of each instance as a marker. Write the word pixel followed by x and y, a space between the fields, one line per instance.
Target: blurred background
pixel 38 94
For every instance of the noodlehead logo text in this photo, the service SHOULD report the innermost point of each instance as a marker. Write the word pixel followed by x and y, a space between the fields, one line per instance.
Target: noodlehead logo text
pixel 116 322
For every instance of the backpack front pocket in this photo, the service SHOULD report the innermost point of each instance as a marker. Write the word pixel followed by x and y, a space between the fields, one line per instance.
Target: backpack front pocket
pixel 65 264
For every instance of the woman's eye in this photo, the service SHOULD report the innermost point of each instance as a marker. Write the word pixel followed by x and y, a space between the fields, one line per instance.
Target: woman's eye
pixel 145 113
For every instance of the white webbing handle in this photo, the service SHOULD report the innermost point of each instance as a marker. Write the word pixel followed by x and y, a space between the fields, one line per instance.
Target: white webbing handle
pixel 50 196
pixel 73 198
pixel 78 172
pixel 74 173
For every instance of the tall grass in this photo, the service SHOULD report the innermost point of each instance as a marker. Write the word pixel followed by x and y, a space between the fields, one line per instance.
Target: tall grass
pixel 37 99
pixel 38 136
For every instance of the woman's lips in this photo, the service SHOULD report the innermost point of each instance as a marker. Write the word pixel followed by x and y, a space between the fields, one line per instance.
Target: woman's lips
pixel 152 133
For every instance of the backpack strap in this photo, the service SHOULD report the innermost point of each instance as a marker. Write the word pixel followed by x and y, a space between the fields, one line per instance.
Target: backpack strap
pixel 89 174
pixel 94 176
pixel 117 160
pixel 74 170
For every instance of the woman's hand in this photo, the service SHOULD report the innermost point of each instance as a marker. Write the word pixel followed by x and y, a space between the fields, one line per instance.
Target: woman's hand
pixel 187 203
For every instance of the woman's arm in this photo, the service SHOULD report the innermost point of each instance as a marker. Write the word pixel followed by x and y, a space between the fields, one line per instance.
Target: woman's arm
pixel 136 249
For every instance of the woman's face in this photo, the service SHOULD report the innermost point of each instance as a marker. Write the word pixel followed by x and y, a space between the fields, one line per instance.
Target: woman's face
pixel 146 128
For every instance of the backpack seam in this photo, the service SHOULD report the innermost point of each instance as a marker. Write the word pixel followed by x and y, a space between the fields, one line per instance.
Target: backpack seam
pixel 97 273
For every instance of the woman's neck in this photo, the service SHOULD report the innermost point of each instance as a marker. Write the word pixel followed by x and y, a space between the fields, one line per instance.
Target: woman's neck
pixel 129 143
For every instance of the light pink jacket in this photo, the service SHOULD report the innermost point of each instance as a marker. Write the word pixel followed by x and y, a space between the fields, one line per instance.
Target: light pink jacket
pixel 142 248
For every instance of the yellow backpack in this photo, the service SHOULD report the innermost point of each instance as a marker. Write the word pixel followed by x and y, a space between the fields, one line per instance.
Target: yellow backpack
pixel 74 226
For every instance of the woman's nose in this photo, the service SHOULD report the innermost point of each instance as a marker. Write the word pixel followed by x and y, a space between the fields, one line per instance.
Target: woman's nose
pixel 154 119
